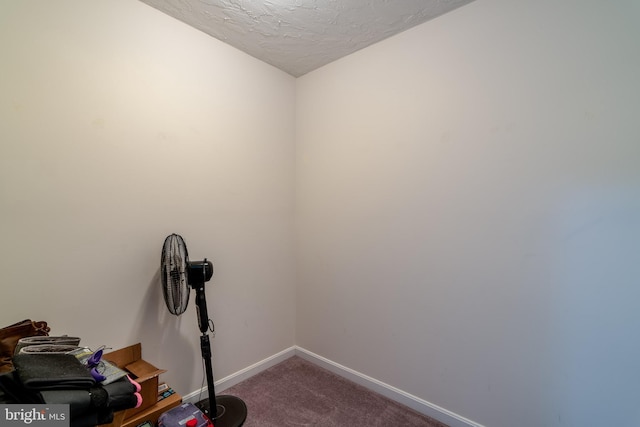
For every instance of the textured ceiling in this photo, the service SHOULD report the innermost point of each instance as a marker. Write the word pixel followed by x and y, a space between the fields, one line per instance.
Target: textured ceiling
pixel 299 36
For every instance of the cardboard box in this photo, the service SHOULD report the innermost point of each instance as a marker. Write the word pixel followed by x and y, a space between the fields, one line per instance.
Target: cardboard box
pixel 151 414
pixel 118 419
pixel 143 372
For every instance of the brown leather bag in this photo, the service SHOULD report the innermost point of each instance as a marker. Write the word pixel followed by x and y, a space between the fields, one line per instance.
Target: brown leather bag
pixel 10 335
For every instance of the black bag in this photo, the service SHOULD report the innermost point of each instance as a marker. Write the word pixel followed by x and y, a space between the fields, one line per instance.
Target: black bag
pixel 51 371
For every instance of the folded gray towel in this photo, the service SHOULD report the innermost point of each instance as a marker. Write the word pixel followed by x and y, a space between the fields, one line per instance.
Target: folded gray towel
pixel 42 340
pixel 48 349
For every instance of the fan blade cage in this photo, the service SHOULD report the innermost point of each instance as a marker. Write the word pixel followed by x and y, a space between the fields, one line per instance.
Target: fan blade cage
pixel 174 264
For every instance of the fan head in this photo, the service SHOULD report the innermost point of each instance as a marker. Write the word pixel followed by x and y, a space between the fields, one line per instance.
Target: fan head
pixel 199 272
pixel 174 265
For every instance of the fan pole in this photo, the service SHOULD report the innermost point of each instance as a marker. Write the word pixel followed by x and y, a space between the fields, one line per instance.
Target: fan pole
pixel 224 411
pixel 205 346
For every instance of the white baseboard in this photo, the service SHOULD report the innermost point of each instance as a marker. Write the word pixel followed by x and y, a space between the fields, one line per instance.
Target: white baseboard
pixel 237 377
pixel 402 397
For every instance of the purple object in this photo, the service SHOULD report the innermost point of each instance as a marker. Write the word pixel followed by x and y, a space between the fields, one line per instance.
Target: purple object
pixel 93 362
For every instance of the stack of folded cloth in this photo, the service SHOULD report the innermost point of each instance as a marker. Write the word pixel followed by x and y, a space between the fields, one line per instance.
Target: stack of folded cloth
pixel 46 344
pixel 52 375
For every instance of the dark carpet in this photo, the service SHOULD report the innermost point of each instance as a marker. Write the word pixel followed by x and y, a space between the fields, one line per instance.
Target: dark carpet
pixel 298 393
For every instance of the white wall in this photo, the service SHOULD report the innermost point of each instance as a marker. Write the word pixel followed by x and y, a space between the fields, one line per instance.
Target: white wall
pixel 468 202
pixel 120 125
pixel 467 199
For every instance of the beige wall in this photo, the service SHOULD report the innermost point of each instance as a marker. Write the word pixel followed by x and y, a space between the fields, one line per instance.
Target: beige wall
pixel 468 199
pixel 120 125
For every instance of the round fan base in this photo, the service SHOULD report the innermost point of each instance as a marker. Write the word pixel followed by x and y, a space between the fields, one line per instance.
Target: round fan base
pixel 232 411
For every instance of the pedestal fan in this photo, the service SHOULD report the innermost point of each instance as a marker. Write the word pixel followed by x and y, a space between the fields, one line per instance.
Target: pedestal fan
pixel 179 275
